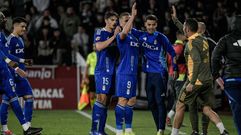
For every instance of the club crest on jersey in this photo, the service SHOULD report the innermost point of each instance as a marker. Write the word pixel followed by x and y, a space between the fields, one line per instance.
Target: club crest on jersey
pixel 97 38
pixel 155 42
pixel 103 87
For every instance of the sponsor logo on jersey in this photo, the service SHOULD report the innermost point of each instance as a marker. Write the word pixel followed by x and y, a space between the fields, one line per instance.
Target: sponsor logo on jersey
pixel 134 44
pixel 155 48
pixel 238 43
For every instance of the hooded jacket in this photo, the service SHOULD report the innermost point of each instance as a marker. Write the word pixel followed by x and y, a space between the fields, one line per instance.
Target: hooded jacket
pixel 229 48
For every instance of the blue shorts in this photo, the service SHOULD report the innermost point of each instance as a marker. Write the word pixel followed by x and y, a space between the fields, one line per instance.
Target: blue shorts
pixel 105 84
pixel 126 86
pixel 23 86
pixel 7 83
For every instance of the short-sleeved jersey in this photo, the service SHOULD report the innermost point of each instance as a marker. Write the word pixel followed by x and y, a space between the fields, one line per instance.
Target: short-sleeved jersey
pixel 106 58
pixel 91 61
pixel 129 51
pixel 154 47
pixel 15 46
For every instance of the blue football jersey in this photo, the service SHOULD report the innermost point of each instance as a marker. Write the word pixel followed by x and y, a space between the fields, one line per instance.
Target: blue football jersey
pixel 106 58
pixel 129 51
pixel 15 46
pixel 2 49
pixel 154 47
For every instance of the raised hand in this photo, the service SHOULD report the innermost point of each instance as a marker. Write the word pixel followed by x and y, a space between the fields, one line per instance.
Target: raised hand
pixel 134 10
pixel 117 30
pixel 174 12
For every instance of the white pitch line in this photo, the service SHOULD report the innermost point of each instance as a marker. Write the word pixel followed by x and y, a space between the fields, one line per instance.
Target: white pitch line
pixel 89 116
pixel 113 129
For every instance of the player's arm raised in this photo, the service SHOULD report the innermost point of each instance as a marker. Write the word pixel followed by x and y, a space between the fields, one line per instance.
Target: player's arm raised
pixel 175 19
pixel 128 25
pixel 102 45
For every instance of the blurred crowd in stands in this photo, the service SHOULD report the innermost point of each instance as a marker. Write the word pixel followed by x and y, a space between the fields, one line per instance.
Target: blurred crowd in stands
pixel 57 29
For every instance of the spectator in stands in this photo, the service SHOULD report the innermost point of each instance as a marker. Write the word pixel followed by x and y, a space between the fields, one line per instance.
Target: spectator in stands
pixel 29 48
pixel 41 5
pixel 59 45
pixel 42 20
pixel 69 23
pixel 45 52
pixel 81 40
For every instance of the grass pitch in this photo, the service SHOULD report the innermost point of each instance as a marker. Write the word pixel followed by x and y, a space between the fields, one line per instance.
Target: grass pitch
pixel 70 122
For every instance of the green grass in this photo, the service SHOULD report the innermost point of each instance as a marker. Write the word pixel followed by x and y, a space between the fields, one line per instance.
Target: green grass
pixel 72 123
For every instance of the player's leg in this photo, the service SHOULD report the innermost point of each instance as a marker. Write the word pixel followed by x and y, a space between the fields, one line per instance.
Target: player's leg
pixel 171 113
pixel 205 123
pixel 160 84
pixel 129 115
pixel 4 113
pixel 130 105
pixel 180 109
pixel 177 87
pixel 13 101
pixel 207 110
pixel 232 91
pixel 23 89
pixel 193 116
pixel 151 98
pixel 99 113
pixel 178 118
pixel 109 92
pixel 98 110
pixel 120 114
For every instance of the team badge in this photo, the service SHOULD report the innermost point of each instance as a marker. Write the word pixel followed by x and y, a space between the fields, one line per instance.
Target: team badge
pixel 103 87
pixel 155 42
pixel 97 38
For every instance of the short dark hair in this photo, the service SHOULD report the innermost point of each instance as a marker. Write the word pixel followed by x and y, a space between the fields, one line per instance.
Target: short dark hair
pixel 192 24
pixel 19 20
pixel 110 14
pixel 151 17
pixel 124 14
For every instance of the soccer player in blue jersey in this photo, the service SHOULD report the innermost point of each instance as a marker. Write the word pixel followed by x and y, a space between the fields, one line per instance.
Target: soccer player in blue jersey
pixel 126 77
pixel 14 49
pixel 154 46
pixel 7 84
pixel 106 52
